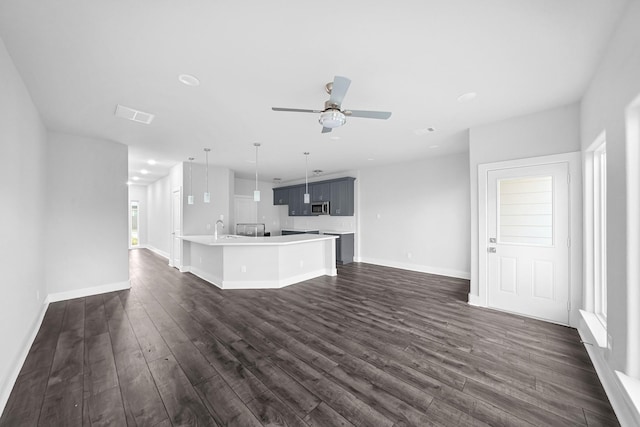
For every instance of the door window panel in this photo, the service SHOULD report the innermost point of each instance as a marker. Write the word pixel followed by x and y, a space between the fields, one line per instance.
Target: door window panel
pixel 526 211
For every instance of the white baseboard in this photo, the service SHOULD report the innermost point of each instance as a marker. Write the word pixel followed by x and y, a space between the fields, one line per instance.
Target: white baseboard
pixel 12 378
pixel 614 385
pixel 156 251
pixel 85 292
pixel 262 284
pixel 475 300
pixel 417 267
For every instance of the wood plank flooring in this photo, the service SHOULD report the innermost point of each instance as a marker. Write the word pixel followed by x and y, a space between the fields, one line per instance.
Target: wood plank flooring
pixel 373 346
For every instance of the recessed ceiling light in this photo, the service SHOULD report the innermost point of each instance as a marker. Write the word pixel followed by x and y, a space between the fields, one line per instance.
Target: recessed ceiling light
pixel 144 171
pixel 369 159
pixel 317 171
pixel 434 146
pixel 129 182
pixel 335 138
pixel 151 162
pixel 189 80
pixel 424 131
pixel 135 178
pixel 466 97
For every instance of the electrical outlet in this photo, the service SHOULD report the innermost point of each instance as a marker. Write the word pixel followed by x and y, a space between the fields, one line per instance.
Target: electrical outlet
pixel 37 295
pixel 301 263
pixel 200 260
pixel 378 216
pixel 243 269
pixel 208 226
pixel 409 255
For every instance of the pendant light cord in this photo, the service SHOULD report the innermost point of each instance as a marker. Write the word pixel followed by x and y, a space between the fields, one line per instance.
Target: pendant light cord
pixel 206 153
pixel 256 145
pixel 306 173
pixel 190 176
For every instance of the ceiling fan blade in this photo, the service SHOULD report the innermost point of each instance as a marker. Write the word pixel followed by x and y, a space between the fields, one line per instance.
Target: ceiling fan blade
pixel 295 110
pixel 368 114
pixel 339 89
pixel 326 130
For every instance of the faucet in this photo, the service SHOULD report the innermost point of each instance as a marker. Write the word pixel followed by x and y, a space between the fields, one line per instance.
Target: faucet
pixel 215 232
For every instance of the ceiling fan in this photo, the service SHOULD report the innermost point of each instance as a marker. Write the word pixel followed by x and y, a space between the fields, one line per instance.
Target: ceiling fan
pixel 333 115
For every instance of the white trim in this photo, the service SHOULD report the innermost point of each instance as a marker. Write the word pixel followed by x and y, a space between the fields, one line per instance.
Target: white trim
pixel 417 267
pixel 474 300
pixel 574 161
pixel 156 251
pixel 13 376
pixel 620 394
pixel 262 284
pixel 632 157
pixel 85 292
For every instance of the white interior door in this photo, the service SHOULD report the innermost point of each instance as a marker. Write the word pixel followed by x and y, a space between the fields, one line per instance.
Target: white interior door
pixel 176 229
pixel 528 241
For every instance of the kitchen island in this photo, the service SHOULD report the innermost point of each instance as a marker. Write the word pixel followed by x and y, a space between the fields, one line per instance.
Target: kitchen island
pixel 237 262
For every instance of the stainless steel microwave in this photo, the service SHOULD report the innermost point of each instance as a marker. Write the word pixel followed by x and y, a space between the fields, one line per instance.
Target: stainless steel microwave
pixel 319 208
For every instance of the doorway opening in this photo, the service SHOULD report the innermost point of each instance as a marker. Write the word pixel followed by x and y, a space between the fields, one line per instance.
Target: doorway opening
pixel 134 222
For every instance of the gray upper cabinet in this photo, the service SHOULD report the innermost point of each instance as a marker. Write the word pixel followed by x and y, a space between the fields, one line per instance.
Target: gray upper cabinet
pixel 320 191
pixel 342 196
pixel 281 196
pixel 297 206
pixel 338 192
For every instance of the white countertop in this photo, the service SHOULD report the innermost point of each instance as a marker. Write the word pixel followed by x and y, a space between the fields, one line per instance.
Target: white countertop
pixel 335 232
pixel 232 240
pixel 300 230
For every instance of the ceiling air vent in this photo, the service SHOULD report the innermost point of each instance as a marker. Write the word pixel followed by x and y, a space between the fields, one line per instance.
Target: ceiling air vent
pixel 135 115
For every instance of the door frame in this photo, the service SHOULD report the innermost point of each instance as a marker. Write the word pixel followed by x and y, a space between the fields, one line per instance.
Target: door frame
pixel 171 231
pixel 574 163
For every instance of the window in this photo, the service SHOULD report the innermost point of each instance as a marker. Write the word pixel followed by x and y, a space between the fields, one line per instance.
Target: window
pixel 526 211
pixel 598 225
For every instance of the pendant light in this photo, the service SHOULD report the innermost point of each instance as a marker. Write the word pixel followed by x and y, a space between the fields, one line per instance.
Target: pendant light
pixel 256 192
pixel 307 199
pixel 207 195
pixel 190 197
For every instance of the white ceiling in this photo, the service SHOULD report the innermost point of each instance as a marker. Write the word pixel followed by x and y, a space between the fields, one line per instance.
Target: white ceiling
pixel 80 58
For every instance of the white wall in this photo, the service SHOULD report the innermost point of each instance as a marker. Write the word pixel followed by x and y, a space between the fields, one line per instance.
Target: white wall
pixel 615 84
pixel 548 132
pixel 23 188
pixel 416 215
pixel 139 193
pixel 159 215
pixel 87 216
pixel 267 212
pixel 201 217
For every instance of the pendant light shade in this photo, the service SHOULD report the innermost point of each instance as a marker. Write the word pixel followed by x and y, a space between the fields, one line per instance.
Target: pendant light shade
pixel 256 192
pixel 207 195
pixel 307 198
pixel 190 197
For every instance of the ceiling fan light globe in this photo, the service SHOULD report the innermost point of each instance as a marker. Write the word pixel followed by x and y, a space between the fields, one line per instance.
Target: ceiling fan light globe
pixel 332 119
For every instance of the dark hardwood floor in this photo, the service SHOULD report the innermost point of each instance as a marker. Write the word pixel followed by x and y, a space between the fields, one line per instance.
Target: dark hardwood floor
pixel 373 346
